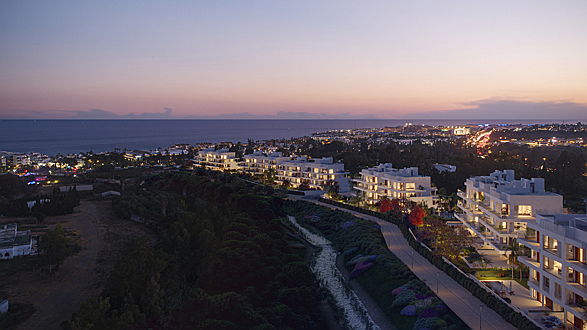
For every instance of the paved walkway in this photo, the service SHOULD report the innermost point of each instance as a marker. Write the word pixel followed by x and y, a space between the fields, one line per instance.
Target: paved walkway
pixel 470 309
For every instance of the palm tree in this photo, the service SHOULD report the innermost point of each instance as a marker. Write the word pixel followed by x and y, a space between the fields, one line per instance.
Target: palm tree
pixel 514 249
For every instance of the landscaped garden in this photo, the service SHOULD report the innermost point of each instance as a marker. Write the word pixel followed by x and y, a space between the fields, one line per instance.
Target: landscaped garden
pixel 406 301
pixel 440 257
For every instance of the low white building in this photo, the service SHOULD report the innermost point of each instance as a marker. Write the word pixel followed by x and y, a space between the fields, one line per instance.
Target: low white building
pixel 315 173
pixel 444 168
pixel 14 243
pixel 558 265
pixel 218 160
pixel 497 208
pixel 77 187
pixel 461 131
pixel 384 181
pixel 259 162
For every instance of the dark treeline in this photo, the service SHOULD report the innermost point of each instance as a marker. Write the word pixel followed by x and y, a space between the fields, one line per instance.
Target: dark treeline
pixel 220 261
pixel 56 203
pixel 562 167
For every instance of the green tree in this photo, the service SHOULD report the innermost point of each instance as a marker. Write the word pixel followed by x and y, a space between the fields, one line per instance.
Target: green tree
pixel 55 247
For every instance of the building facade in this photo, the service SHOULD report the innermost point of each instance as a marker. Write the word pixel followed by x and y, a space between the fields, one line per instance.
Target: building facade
pixel 313 173
pixel 15 243
pixel 558 265
pixel 384 181
pixel 218 160
pixel 497 208
pixel 259 162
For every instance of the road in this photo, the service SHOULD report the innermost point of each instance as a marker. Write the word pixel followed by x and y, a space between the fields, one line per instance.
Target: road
pixel 470 309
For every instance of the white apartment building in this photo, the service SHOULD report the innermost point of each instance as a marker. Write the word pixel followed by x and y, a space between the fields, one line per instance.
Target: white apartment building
pixel 259 162
pixel 384 181
pixel 218 160
pixel 558 265
pixel 19 160
pixel 316 173
pixel 497 208
pixel 14 243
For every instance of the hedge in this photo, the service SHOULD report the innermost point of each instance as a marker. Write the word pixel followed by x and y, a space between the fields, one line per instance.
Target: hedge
pixel 517 319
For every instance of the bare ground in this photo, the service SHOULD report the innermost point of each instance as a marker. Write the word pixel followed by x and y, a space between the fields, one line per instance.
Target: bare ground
pixel 101 235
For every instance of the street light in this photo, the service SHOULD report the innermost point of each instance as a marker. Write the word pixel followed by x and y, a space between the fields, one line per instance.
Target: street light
pixel 480 312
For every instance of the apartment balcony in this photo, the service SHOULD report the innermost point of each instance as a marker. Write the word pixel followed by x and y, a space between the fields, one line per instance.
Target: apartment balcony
pixel 578 289
pixel 578 310
pixel 553 254
pixel 557 272
pixel 534 284
pixel 529 242
pixel 493 214
pixel 364 189
pixel 460 217
pixel 401 190
pixel 577 265
pixel 461 194
pixel 532 263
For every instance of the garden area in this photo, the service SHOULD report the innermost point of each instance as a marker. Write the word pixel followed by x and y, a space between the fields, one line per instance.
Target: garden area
pixel 446 258
pixel 406 301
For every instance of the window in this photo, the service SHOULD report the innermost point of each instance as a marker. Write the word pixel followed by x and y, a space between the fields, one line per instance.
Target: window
pixel 557 290
pixel 525 210
pixel 410 185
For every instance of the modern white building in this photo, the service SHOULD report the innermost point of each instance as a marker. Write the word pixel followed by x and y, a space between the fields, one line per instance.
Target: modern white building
pixel 16 160
pixel 558 265
pixel 259 162
pixel 315 173
pixel 384 181
pixel 14 243
pixel 497 208
pixel 218 160
pixel 444 168
pixel 461 131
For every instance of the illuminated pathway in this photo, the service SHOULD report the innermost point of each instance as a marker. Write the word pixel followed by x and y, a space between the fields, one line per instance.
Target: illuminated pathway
pixel 470 309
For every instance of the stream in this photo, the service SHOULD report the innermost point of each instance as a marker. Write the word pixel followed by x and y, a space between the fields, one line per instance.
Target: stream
pixel 330 278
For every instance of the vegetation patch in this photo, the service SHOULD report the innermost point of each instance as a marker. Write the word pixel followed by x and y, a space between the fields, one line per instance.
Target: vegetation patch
pixel 356 239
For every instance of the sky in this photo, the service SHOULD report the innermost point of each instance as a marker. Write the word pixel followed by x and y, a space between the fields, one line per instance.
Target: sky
pixel 279 59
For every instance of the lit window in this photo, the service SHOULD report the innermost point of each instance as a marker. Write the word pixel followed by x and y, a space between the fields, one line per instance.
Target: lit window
pixel 524 209
pixel 410 185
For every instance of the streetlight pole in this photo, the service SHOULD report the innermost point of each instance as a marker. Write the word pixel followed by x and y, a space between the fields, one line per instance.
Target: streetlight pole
pixel 480 313
pixel 436 283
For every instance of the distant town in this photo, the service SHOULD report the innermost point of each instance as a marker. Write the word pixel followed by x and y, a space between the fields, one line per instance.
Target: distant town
pixel 503 203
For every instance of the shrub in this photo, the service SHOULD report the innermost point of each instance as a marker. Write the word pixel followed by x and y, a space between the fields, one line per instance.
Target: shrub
pixel 515 318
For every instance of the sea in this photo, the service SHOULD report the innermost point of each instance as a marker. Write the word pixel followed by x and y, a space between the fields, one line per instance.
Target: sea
pixel 53 137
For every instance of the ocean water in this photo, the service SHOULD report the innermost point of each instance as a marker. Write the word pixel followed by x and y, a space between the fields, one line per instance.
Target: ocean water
pixel 72 136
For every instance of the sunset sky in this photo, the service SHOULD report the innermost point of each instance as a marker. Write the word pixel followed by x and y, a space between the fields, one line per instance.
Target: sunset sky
pixel 343 59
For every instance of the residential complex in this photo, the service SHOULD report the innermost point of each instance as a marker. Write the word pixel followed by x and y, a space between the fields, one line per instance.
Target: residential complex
pixel 384 181
pixel 14 243
pixel 497 208
pixel 314 173
pixel 558 265
pixel 259 162
pixel 219 160
pixel 297 172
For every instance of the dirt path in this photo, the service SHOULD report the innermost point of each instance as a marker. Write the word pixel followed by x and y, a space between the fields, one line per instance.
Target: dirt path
pixel 58 297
